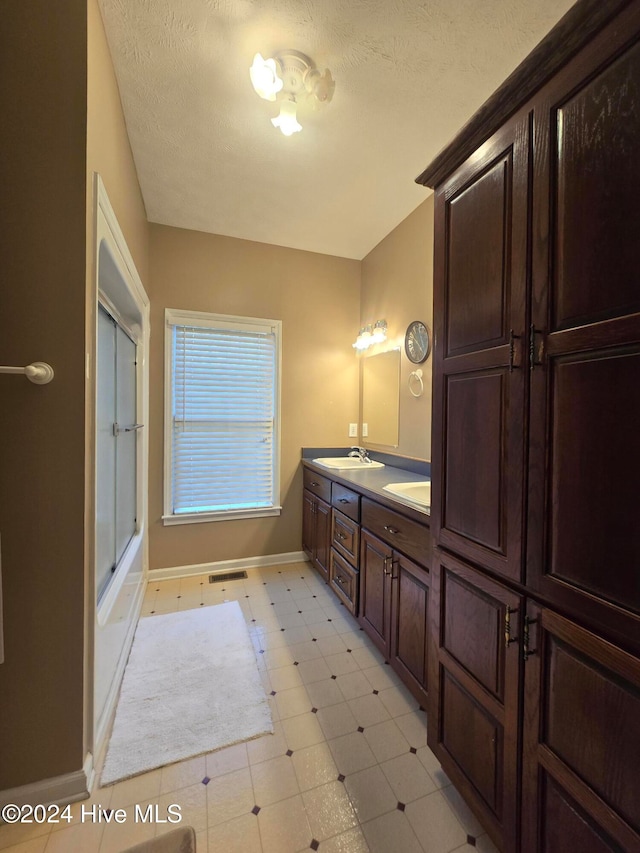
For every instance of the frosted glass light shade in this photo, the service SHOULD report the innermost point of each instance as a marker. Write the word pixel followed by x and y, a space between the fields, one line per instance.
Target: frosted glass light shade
pixel 264 77
pixel 287 121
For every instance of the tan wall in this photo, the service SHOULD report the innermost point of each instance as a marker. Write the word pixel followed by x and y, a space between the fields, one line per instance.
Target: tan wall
pixel 42 318
pixel 108 154
pixel 108 149
pixel 397 286
pixel 317 297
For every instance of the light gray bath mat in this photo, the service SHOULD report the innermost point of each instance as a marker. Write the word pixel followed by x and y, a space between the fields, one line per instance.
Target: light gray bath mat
pixel 191 686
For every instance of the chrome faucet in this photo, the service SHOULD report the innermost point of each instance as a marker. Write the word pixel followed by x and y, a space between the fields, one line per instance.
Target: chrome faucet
pixel 361 452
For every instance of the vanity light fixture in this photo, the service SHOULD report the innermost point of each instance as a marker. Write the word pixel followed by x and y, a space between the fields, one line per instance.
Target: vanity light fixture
pixel 291 78
pixel 370 335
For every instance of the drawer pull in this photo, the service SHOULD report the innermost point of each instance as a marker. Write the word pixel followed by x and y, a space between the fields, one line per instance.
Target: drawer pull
pixel 339 580
pixel 340 535
pixel 314 483
pixel 390 529
pixel 344 500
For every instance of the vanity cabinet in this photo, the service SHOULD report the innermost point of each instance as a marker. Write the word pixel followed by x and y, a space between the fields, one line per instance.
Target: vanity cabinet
pixel 394 591
pixel 535 462
pixel 316 521
pixel 378 566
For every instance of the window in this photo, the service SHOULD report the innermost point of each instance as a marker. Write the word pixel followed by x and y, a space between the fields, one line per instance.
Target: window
pixel 222 416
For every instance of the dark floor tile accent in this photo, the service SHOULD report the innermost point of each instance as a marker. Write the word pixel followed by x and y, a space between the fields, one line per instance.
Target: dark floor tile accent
pixel 153 611
pixel 386 663
pixel 314 639
pixel 349 651
pixel 471 840
pixel 282 629
pixel 255 809
pixel 314 710
pixel 289 752
pixel 206 780
pixel 273 692
pixel 295 663
pixel 413 750
pixel 314 844
pixel 401 807
pixel 334 677
pixel 375 692
pixel 261 651
pixel 360 729
pixel 299 611
pixel 328 620
pixel 341 778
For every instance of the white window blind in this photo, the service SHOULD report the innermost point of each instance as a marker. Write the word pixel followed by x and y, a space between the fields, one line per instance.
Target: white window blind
pixel 224 415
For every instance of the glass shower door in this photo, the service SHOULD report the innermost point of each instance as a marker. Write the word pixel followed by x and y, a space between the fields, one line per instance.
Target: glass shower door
pixel 116 447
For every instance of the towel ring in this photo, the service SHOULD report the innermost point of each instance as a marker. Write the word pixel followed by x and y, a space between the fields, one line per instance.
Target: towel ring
pixel 416 377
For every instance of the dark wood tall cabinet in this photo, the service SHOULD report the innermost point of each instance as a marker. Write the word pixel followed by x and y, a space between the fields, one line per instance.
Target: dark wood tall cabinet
pixel 534 702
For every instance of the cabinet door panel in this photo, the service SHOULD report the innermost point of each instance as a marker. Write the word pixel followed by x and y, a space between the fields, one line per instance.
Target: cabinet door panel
pixel 567 827
pixel 584 540
pixel 473 630
pixel 308 532
pixel 474 674
pixel 582 733
pixel 596 133
pixel 478 298
pixel 323 537
pixel 480 320
pixel 474 473
pixel 596 548
pixel 472 739
pixel 409 633
pixel 375 589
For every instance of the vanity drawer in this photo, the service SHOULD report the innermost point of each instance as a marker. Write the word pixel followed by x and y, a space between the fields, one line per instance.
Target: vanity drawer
pixel 343 579
pixel 317 484
pixel 408 536
pixel 345 536
pixel 346 501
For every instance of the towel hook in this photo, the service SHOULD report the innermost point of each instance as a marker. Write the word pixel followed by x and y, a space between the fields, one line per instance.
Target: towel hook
pixel 40 373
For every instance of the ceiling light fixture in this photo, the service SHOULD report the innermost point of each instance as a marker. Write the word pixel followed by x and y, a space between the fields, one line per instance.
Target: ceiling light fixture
pixel 291 78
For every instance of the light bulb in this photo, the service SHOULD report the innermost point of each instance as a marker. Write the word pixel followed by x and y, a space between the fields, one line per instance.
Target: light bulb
pixel 264 77
pixel 287 121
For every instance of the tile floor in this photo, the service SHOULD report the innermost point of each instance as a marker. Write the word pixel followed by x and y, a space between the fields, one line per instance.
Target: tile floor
pixel 347 769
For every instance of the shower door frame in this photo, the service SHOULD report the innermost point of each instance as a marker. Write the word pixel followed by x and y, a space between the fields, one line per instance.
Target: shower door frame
pixel 120 290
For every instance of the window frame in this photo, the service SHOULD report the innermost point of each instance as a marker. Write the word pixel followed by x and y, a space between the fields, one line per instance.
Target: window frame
pixel 177 317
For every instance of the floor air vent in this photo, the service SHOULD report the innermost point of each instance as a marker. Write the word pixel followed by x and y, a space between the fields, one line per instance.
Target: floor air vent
pixel 227 576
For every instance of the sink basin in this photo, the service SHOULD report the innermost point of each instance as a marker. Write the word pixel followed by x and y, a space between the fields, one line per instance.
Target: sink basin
pixel 417 493
pixel 346 462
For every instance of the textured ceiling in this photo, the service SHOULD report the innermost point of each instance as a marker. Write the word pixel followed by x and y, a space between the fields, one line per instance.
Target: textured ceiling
pixel 408 74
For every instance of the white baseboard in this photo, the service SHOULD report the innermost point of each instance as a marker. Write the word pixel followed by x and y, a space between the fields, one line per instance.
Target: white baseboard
pixel 226 566
pixel 68 788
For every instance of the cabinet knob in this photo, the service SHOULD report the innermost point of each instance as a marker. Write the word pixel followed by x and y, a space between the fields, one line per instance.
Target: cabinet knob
pixel 343 500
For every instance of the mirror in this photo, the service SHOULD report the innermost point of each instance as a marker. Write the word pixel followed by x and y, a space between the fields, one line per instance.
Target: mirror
pixel 381 398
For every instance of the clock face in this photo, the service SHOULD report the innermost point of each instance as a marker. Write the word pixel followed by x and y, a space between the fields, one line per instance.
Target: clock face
pixel 416 342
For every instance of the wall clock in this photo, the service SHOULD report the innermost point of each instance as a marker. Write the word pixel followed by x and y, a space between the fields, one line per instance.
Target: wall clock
pixel 416 342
